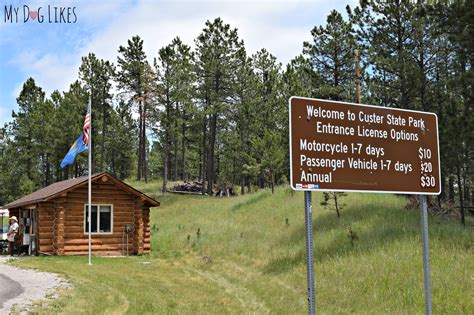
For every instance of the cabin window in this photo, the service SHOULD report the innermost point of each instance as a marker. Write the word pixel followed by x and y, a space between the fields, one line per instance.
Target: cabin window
pixel 101 222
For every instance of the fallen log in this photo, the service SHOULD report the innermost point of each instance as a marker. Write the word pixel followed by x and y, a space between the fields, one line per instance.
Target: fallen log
pixel 187 187
pixel 184 192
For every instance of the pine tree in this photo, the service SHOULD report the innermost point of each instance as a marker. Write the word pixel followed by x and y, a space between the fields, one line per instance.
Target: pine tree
pixel 164 117
pixel 332 57
pixel 299 78
pixel 461 32
pixel 121 141
pixel 244 115
pixel 24 129
pixel 96 75
pixel 271 155
pixel 331 54
pixel 69 119
pixel 216 63
pixel 272 108
pixel 131 80
pixel 387 29
pixel 332 201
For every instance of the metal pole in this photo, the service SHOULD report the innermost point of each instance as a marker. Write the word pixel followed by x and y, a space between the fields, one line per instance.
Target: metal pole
pixel 426 254
pixel 90 180
pixel 309 252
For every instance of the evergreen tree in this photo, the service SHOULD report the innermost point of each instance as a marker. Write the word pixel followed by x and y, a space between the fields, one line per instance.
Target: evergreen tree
pixel 216 64
pixel 331 54
pixel 244 115
pixel 69 117
pixel 272 118
pixel 131 80
pixel 271 155
pixel 96 75
pixel 174 68
pixel 121 141
pixel 299 78
pixel 218 115
pixel 332 57
pixel 24 130
pixel 387 29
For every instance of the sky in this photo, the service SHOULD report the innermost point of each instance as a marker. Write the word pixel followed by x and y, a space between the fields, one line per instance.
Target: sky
pixel 50 52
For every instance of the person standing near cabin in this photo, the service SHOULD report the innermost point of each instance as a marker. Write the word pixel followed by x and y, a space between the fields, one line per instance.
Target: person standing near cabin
pixel 12 231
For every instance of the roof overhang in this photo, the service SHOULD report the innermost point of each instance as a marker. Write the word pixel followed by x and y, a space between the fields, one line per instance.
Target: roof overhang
pixel 103 175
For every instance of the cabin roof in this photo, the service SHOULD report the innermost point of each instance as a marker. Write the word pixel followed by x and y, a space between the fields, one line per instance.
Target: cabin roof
pixel 53 190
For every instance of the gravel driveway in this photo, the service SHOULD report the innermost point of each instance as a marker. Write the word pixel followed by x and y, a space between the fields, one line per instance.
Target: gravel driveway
pixel 22 287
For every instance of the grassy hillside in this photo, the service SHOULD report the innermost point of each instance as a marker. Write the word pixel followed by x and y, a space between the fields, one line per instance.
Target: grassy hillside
pixel 249 257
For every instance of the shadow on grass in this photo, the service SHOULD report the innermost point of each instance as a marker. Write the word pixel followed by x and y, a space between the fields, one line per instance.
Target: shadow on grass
pixel 251 200
pixel 373 228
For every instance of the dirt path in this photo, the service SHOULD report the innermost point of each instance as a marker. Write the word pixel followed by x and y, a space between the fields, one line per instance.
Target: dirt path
pixel 20 288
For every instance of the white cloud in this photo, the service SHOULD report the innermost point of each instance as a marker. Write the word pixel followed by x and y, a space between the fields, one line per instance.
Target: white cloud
pixel 50 71
pixel 274 25
pixel 261 25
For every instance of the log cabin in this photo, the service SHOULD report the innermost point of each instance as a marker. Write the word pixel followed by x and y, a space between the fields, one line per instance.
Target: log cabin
pixel 53 220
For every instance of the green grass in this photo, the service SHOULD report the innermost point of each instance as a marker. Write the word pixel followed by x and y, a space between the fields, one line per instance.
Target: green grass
pixel 247 260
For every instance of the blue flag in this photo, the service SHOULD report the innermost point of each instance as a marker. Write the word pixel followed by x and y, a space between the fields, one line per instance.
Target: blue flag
pixel 75 149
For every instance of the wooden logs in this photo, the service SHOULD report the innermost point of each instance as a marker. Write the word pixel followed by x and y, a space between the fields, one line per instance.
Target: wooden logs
pixel 61 221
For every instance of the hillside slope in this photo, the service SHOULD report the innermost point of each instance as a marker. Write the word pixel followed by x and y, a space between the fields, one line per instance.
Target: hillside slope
pixel 247 255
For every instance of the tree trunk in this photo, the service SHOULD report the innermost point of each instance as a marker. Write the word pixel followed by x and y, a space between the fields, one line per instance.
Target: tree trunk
pixel 401 63
pixel 48 171
pixel 204 154
pixel 273 182
pixel 421 65
pixel 29 163
pixel 261 181
pixel 451 189
pixel 461 199
pixel 113 167
pixel 176 133
pixel 183 147
pixel 467 193
pixel 166 142
pixel 210 162
pixel 144 146
pixel 102 144
pixel 165 170
pixel 218 160
pixel 337 205
pixel 442 196
pixel 200 176
pixel 60 174
pixel 139 151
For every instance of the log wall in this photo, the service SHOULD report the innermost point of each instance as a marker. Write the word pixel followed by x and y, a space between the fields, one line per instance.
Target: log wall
pixel 61 222
pixel 146 230
pixel 46 218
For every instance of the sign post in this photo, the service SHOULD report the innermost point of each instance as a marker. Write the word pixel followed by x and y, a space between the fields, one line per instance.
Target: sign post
pixel 309 252
pixel 426 253
pixel 337 146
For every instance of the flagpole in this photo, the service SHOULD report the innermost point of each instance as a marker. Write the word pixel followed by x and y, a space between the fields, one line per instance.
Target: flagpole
pixel 89 109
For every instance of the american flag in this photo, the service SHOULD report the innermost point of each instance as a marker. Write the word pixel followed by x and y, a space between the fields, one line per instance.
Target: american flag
pixel 86 129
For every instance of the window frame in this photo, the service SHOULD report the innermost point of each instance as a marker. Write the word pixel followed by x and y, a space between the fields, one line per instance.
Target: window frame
pixel 86 208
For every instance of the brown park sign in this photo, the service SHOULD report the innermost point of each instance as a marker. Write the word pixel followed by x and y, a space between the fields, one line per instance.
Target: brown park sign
pixel 340 146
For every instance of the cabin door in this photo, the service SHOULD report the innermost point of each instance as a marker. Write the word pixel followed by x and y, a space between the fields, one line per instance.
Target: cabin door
pixel 29 231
